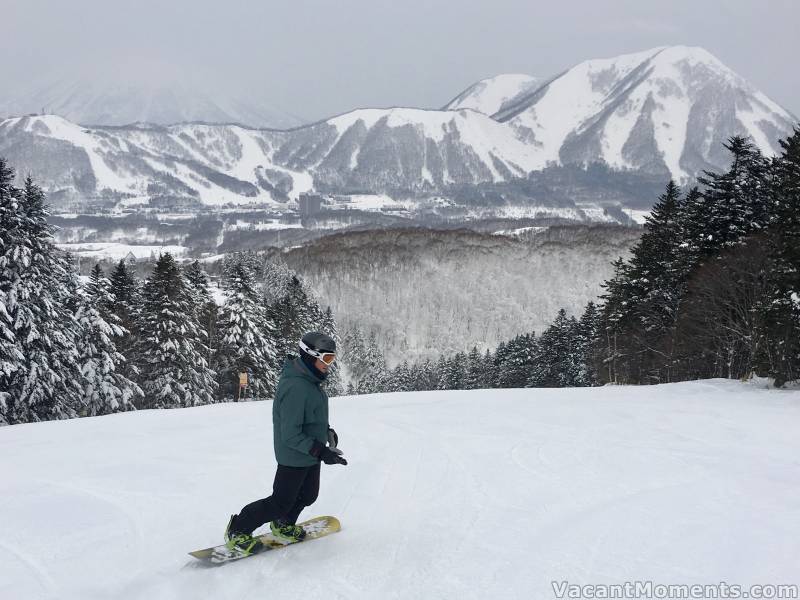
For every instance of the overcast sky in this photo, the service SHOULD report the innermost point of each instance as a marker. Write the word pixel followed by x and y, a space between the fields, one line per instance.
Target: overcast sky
pixel 316 58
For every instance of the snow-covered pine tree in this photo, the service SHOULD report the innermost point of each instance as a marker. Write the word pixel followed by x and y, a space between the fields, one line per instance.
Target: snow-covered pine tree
pixel 558 361
pixel 105 387
pixel 498 358
pixel 292 316
pixel 126 293
pixel 473 370
pixel 41 377
pixel 517 361
pixel 740 202
pixel 784 318
pixel 698 243
pixel 441 373
pixel 657 278
pixel 427 377
pixel 587 339
pixel 11 228
pixel 374 378
pixel 352 357
pixel 275 282
pixel 246 338
pixel 294 310
pixel 401 379
pixel 126 305
pixel 487 370
pixel 171 354
pixel 333 383
pixel 724 322
pixel 99 288
pixel 454 373
pixel 205 308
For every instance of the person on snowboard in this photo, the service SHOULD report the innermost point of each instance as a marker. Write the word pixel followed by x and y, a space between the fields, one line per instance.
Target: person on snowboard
pixel 301 432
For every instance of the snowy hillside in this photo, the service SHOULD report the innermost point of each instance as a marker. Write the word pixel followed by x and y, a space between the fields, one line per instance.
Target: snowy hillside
pixel 492 94
pixel 209 164
pixel 664 110
pixel 372 149
pixel 425 293
pixel 479 494
pixel 101 100
pixel 407 148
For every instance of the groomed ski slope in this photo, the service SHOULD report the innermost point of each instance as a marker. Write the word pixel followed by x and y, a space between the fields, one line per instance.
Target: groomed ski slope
pixel 478 494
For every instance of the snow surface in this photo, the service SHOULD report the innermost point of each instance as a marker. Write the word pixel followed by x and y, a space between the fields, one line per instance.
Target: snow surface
pixel 115 251
pixel 477 494
pixel 431 122
pixel 640 216
pixel 61 129
pixel 571 99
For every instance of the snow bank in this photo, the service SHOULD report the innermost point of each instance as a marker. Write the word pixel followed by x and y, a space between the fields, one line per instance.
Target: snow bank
pixel 479 494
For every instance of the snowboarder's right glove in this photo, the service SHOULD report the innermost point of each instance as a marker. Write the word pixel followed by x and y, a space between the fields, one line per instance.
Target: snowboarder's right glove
pixel 326 455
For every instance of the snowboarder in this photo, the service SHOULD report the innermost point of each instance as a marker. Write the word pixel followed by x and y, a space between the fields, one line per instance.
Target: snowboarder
pixel 301 431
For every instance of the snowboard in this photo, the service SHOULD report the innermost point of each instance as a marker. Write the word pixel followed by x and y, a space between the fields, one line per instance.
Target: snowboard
pixel 315 528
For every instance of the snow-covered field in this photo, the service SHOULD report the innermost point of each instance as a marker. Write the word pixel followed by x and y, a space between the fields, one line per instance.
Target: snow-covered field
pixel 479 494
pixel 115 251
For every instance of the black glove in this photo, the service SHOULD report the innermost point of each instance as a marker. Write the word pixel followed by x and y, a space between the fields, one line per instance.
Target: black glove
pixel 326 455
pixel 333 439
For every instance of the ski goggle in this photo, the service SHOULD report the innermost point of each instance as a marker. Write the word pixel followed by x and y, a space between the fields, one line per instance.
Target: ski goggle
pixel 326 357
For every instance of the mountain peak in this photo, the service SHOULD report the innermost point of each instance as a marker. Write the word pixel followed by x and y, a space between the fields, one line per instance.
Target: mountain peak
pixel 490 95
pixel 666 110
pixel 157 97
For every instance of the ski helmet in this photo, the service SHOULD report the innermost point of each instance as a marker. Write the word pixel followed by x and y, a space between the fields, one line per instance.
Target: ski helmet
pixel 316 343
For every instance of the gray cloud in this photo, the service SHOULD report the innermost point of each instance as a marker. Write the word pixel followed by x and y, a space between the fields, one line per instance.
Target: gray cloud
pixel 320 57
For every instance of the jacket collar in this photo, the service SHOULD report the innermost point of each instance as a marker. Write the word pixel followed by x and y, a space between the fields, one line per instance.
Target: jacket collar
pixel 302 370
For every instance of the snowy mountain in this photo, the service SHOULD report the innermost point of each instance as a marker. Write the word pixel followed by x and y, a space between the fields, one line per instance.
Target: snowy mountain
pixel 666 110
pixel 101 100
pixel 406 149
pixel 494 93
pixel 208 164
pixel 686 483
pixel 369 149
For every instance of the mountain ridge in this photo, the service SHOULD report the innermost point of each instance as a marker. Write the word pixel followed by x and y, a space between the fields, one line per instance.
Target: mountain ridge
pixel 112 101
pixel 665 111
pixel 647 110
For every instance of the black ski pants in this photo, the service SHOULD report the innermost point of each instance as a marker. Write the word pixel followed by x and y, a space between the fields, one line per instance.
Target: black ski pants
pixel 294 488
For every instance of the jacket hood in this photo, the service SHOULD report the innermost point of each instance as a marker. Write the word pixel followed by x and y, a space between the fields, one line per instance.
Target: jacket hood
pixel 294 367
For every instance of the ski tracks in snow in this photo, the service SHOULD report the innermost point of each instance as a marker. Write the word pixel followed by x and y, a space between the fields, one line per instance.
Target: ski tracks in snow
pixel 477 494
pixel 38 573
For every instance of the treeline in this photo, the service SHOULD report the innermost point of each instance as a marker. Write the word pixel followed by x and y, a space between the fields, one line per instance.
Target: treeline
pixel 712 289
pixel 116 343
pixel 562 356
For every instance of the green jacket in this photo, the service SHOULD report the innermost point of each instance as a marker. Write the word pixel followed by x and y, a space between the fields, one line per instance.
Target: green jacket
pixel 299 415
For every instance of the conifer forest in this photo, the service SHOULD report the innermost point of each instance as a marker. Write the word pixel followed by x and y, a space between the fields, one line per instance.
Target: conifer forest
pixel 711 289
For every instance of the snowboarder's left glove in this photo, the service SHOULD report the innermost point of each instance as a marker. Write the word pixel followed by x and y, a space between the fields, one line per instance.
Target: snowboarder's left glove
pixel 333 439
pixel 326 455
